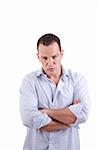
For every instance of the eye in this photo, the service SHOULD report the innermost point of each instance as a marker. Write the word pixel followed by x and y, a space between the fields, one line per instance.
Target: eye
pixel 44 58
pixel 54 57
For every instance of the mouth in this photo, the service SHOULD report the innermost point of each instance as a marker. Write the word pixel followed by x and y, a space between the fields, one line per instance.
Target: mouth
pixel 51 69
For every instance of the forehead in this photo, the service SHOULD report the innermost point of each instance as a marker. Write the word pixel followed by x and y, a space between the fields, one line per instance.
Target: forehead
pixel 50 50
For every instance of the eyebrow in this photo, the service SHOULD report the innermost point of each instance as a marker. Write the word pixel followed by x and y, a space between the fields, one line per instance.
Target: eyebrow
pixel 50 56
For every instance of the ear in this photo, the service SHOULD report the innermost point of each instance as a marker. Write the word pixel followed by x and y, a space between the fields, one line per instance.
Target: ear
pixel 37 55
pixel 62 52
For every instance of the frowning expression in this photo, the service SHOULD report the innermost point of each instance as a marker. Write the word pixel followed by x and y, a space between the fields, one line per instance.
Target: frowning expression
pixel 50 58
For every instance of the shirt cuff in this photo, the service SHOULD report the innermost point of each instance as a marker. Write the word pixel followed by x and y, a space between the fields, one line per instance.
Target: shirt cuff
pixel 41 121
pixel 76 109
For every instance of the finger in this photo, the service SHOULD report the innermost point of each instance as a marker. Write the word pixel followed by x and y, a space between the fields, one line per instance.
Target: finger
pixel 76 101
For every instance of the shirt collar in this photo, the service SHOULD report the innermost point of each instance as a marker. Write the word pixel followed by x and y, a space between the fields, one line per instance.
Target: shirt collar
pixel 40 72
pixel 64 71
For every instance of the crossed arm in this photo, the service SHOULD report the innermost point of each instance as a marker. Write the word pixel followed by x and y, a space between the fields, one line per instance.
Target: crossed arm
pixel 61 118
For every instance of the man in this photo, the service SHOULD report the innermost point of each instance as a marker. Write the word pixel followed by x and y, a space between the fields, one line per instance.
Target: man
pixel 53 101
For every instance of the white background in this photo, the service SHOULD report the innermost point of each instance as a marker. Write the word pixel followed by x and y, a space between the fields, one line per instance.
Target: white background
pixel 22 22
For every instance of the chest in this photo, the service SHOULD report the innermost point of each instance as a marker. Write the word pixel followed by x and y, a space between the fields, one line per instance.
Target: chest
pixel 51 96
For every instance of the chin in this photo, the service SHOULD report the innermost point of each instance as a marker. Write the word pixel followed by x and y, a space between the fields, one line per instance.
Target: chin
pixel 51 73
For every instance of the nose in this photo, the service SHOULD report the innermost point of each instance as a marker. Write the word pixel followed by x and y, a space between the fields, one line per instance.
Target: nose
pixel 50 62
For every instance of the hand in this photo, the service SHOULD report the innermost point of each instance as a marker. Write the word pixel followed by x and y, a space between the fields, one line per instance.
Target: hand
pixel 44 110
pixel 54 126
pixel 76 101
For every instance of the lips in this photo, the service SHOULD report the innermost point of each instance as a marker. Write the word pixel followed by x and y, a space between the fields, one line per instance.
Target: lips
pixel 51 69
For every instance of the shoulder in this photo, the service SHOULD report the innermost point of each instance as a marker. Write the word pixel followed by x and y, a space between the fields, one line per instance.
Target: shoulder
pixel 75 77
pixel 30 78
pixel 32 75
pixel 72 74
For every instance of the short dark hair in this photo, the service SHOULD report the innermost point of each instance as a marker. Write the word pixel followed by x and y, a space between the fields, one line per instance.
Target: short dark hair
pixel 48 39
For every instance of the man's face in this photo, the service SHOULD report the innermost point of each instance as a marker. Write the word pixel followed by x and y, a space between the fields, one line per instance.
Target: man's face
pixel 50 58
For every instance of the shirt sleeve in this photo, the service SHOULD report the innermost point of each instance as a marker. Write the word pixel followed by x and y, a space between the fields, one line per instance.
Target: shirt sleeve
pixel 81 110
pixel 31 116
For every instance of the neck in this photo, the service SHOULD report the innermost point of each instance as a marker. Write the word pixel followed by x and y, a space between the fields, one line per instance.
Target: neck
pixel 55 78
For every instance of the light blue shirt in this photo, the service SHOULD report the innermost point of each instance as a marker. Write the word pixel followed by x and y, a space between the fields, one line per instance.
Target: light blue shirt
pixel 38 91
